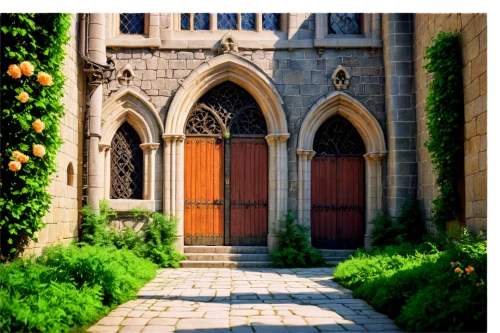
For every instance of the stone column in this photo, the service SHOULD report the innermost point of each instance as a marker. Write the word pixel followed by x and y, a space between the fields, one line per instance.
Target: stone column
pixel 97 52
pixel 149 152
pixel 304 187
pixel 106 166
pixel 397 33
pixel 278 183
pixel 173 182
pixel 373 191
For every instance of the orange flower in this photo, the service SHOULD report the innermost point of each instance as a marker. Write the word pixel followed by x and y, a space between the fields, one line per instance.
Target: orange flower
pixel 23 158
pixel 14 71
pixel 457 270
pixel 45 79
pixel 38 126
pixel 14 165
pixel 23 97
pixel 16 154
pixel 39 150
pixel 469 269
pixel 27 68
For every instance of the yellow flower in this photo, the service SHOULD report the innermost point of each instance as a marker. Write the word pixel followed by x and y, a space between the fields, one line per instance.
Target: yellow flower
pixel 23 97
pixel 27 68
pixel 39 150
pixel 14 71
pixel 14 165
pixel 38 126
pixel 45 79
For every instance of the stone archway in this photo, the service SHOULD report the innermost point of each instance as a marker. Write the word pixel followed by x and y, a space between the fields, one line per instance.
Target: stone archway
pixel 327 106
pixel 245 74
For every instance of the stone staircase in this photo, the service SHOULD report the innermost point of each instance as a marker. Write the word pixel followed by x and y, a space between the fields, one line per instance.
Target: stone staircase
pixel 333 257
pixel 243 256
pixel 226 257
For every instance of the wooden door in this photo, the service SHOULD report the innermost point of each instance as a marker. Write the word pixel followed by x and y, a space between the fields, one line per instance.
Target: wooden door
pixel 337 198
pixel 248 198
pixel 204 191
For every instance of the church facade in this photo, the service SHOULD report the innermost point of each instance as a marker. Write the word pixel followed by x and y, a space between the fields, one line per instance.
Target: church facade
pixel 229 120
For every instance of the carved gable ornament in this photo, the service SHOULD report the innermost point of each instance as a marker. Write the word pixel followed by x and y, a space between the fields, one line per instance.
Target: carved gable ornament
pixel 126 74
pixel 229 44
pixel 340 78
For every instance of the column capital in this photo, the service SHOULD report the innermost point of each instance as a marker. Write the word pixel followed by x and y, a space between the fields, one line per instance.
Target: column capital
pixel 173 137
pixel 375 155
pixel 104 147
pixel 280 137
pixel 309 154
pixel 149 147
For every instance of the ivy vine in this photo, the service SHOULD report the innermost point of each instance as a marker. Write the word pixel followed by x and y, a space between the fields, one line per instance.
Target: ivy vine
pixel 32 52
pixel 444 108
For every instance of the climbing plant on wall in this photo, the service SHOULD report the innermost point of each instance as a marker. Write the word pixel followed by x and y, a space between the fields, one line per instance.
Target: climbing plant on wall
pixel 444 108
pixel 32 52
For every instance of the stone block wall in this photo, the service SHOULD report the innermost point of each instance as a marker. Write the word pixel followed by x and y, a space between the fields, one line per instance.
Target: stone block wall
pixel 473 30
pixel 301 76
pixel 62 218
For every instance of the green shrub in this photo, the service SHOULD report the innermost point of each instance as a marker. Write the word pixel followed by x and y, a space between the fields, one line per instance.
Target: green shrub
pixel 68 288
pixel 294 246
pixel 418 287
pixel 408 226
pixel 156 242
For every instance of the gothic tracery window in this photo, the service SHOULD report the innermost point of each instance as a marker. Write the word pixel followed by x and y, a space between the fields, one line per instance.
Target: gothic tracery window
pixel 344 23
pixel 337 136
pixel 132 23
pixel 126 164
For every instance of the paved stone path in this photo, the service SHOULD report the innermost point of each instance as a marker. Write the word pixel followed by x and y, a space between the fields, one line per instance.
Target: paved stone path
pixel 248 300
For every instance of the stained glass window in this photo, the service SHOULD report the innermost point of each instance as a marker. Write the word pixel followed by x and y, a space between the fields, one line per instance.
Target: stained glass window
pixel 202 21
pixel 226 21
pixel 344 23
pixel 271 21
pixel 132 23
pixel 185 21
pixel 247 21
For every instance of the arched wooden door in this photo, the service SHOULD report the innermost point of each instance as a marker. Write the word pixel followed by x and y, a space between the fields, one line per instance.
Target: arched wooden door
pixel 337 187
pixel 226 182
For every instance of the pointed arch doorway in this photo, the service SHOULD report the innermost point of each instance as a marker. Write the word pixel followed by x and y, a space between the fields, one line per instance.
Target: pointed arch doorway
pixel 226 170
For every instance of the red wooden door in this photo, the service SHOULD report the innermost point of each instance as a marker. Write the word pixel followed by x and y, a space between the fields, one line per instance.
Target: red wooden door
pixel 248 223
pixel 337 199
pixel 203 191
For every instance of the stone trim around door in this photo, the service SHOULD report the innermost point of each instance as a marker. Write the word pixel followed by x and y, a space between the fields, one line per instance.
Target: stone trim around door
pixel 227 67
pixel 340 103
pixel 128 104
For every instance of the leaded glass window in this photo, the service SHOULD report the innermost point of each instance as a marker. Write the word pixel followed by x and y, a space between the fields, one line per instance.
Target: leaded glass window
pixel 202 21
pixel 271 21
pixel 337 136
pixel 247 21
pixel 126 164
pixel 344 23
pixel 185 21
pixel 132 23
pixel 226 21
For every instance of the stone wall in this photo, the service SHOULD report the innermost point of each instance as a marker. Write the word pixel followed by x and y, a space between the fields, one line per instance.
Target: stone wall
pixel 301 76
pixel 473 30
pixel 62 218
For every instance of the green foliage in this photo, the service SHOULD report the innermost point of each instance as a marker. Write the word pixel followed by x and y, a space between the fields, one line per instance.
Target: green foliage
pixel 444 109
pixel 417 284
pixel 408 226
pixel 294 246
pixel 39 39
pixel 155 243
pixel 68 288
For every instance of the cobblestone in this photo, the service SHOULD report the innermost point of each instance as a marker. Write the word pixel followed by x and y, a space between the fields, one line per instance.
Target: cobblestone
pixel 244 300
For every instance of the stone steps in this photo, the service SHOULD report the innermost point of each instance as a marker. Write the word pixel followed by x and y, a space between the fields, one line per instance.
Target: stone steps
pixel 227 249
pixel 226 257
pixel 334 257
pixel 224 264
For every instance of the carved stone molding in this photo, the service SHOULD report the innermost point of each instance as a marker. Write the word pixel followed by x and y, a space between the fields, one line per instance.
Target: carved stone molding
pixel 229 44
pixel 341 78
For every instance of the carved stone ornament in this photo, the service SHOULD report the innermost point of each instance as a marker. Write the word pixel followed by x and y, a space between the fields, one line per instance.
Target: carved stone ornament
pixel 126 74
pixel 229 44
pixel 340 78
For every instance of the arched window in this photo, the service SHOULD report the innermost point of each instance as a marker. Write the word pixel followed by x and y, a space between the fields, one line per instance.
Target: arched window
pixel 337 136
pixel 70 175
pixel 344 23
pixel 126 164
pixel 132 23
pixel 271 21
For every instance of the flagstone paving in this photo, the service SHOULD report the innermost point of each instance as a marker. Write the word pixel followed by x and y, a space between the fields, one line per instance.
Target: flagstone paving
pixel 225 300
